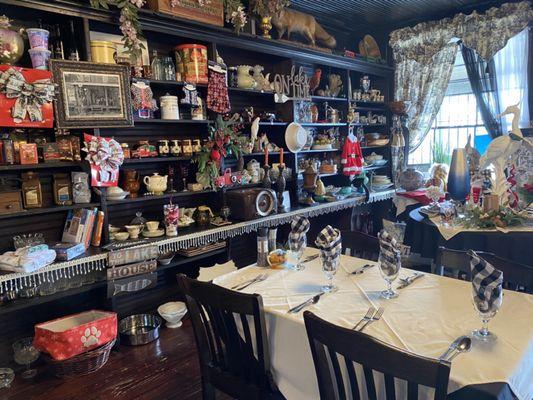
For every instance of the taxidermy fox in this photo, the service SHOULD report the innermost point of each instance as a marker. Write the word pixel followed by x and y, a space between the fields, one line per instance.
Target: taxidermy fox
pixel 290 21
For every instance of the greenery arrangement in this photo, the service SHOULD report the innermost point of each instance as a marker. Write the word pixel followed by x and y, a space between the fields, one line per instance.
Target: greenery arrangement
pixel 441 152
pixel 268 8
pixel 501 218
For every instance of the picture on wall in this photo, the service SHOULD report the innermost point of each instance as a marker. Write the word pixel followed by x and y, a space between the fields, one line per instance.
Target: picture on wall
pixel 91 95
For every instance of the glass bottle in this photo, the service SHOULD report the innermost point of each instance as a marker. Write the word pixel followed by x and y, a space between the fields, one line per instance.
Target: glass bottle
pixel 58 51
pixel 169 71
pixel 157 70
pixel 73 53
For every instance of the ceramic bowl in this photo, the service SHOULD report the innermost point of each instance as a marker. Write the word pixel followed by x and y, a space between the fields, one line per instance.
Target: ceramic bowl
pixel 165 259
pixel 295 137
pixel 121 236
pixel 113 229
pixel 173 312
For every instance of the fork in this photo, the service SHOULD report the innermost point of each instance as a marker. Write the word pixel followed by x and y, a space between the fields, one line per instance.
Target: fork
pixel 362 269
pixel 367 317
pixel 245 284
pixel 375 318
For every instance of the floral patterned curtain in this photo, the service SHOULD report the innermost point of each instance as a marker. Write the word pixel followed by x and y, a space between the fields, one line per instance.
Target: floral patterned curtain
pixel 424 86
pixel 424 57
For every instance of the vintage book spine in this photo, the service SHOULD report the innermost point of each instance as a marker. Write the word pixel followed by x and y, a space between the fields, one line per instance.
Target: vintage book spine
pixel 97 235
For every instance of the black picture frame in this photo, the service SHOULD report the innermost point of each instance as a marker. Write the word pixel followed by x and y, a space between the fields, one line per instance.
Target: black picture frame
pixel 91 95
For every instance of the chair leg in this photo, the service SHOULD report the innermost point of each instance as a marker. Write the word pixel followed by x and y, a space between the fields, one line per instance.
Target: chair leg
pixel 208 391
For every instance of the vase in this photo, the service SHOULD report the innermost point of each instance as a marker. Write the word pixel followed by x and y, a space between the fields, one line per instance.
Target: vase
pixel 131 182
pixel 266 26
pixel 459 176
pixel 12 46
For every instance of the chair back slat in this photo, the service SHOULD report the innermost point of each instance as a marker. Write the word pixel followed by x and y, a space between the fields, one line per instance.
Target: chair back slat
pixel 390 389
pixel 337 372
pixel 412 391
pixel 457 261
pixel 221 321
pixel 359 244
pixel 373 355
pixel 354 385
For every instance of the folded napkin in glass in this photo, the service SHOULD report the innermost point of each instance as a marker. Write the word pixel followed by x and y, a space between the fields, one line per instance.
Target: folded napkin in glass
pixel 389 252
pixel 299 228
pixel 330 245
pixel 486 282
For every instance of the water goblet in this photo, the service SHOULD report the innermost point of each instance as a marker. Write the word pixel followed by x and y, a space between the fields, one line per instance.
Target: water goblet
pixel 24 354
pixel 297 247
pixel 329 267
pixel 389 267
pixel 486 309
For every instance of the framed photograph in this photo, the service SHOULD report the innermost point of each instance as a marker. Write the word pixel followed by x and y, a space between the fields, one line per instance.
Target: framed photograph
pixel 92 95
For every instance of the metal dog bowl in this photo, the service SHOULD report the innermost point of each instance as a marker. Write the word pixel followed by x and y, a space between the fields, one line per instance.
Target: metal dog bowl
pixel 139 329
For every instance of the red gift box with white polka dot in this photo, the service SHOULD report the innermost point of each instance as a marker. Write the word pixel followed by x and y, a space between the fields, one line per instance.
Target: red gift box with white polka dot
pixel 66 337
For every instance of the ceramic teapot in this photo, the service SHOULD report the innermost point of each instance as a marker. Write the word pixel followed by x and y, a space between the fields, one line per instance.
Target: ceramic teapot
pixel 244 79
pixel 411 179
pixel 156 183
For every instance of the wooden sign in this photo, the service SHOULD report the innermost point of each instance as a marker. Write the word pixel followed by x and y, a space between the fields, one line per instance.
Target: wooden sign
pixel 294 86
pixel 132 284
pixel 124 271
pixel 211 12
pixel 128 256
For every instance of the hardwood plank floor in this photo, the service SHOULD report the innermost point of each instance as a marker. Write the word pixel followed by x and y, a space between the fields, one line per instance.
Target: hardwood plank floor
pixel 165 369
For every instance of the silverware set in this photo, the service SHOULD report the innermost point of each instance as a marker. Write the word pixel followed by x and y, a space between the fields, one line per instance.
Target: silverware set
pixel 409 280
pixel 243 285
pixel 362 269
pixel 309 258
pixel 300 307
pixel 371 316
pixel 462 344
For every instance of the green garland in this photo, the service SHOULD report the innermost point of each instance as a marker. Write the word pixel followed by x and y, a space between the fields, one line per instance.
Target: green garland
pixel 501 218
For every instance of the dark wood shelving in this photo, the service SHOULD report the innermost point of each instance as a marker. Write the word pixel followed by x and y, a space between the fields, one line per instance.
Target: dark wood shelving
pixel 267 123
pixel 237 90
pixel 365 125
pixel 379 104
pixel 47 210
pixel 162 197
pixel 320 151
pixel 156 82
pixel 322 123
pixel 172 121
pixel 180 260
pixel 154 160
pixel 58 164
pixel 328 98
pixel 374 147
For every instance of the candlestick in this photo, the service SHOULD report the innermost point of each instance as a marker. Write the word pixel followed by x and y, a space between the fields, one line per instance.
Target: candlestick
pixel 266 155
pixel 267 183
pixel 280 188
pixel 281 156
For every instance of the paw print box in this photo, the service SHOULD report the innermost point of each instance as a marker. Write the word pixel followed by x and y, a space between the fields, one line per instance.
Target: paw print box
pixel 69 336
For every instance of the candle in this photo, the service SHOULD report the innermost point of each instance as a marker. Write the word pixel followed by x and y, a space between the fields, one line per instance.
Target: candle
pixel 266 155
pixel 281 157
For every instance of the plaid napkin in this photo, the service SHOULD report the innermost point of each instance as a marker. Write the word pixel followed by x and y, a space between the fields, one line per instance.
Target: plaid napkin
pixel 389 251
pixel 486 280
pixel 330 245
pixel 299 228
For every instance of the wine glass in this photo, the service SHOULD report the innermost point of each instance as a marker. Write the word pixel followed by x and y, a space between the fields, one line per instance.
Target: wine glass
pixel 24 354
pixel 487 309
pixel 6 377
pixel 389 269
pixel 329 267
pixel 297 246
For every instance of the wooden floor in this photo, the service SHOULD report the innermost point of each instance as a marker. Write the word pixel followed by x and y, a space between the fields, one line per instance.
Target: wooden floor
pixel 165 369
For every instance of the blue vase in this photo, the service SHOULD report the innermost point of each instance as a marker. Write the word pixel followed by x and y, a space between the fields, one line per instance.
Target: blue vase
pixel 459 176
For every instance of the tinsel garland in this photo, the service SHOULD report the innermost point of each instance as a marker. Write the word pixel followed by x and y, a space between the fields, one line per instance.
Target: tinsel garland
pixel 85 265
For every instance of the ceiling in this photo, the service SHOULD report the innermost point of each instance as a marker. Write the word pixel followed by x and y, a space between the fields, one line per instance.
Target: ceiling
pixel 385 15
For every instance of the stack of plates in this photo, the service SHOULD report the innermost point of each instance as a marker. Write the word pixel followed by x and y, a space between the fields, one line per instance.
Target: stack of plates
pixel 381 182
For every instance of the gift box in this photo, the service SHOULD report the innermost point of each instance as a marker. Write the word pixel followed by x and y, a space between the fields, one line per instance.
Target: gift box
pixel 66 337
pixel 26 97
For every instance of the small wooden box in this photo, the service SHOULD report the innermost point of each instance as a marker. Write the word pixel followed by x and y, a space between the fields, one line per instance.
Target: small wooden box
pixel 10 202
pixel 212 13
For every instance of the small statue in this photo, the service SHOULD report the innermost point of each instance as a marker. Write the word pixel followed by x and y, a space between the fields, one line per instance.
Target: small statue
pixel 334 86
pixel 290 21
pixel 263 82
pixel 248 114
pixel 438 173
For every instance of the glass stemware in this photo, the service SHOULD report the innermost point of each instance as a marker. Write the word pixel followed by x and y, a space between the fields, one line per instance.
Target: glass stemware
pixel 297 248
pixel 389 270
pixel 486 310
pixel 24 354
pixel 329 267
pixel 6 377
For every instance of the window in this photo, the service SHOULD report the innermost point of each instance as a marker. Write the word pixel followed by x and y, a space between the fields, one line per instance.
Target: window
pixel 457 118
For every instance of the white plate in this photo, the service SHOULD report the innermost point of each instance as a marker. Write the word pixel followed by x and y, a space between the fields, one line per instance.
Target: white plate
pixel 153 234
pixel 295 137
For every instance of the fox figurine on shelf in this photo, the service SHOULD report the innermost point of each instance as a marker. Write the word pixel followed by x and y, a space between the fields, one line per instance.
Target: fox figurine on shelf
pixel 291 21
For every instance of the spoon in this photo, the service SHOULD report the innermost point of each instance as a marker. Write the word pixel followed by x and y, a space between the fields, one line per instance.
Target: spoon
pixel 452 347
pixel 464 346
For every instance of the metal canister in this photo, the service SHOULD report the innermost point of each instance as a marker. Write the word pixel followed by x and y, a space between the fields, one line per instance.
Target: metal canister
pixel 103 52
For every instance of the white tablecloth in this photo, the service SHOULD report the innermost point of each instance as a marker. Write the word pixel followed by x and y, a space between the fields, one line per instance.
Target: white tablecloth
pixel 424 319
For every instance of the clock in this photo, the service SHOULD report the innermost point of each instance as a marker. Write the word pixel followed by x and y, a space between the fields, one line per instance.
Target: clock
pixel 246 204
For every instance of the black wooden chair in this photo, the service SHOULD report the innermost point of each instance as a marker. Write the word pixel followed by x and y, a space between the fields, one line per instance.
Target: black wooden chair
pixel 228 361
pixel 516 276
pixel 359 244
pixel 331 343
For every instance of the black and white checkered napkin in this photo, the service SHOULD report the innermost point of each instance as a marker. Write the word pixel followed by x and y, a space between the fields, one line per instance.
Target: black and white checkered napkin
pixel 389 251
pixel 329 243
pixel 299 228
pixel 487 281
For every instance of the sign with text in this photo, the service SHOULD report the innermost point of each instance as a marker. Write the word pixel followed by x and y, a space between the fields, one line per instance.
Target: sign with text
pixel 132 284
pixel 124 271
pixel 136 254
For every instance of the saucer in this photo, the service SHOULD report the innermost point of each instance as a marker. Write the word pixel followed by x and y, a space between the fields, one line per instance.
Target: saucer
pixel 153 234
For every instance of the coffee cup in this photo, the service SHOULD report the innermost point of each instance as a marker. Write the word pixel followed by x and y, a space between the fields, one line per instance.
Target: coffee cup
pixel 134 230
pixel 152 226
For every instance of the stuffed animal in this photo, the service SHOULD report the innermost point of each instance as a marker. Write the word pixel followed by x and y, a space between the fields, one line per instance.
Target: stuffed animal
pixel 291 21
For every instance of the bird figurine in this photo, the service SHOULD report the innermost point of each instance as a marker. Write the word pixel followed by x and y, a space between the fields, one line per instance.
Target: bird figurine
pixel 314 82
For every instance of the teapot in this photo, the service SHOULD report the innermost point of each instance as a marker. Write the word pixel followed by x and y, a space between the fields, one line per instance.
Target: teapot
pixel 156 183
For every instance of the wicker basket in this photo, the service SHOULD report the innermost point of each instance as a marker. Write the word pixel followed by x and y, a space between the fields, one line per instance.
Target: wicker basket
pixel 81 364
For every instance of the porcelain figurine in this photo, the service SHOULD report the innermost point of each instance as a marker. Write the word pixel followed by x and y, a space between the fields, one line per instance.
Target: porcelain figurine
pixel 244 79
pixel 262 81
pixel 156 183
pixel 80 188
pixel 334 86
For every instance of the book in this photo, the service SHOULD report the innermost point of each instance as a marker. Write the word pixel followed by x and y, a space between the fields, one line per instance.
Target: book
pixel 74 225
pixel 68 251
pixel 88 228
pixel 97 234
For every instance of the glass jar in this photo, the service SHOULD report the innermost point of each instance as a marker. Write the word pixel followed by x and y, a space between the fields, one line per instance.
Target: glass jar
pixel 168 69
pixel 157 67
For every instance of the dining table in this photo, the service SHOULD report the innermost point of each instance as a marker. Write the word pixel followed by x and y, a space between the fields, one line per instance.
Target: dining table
pixel 426 317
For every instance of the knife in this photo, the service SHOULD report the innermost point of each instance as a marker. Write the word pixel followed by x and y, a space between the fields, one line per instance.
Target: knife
pixel 309 258
pixel 407 281
pixel 312 300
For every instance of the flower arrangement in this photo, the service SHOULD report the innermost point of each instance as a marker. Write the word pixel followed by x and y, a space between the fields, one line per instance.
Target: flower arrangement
pixel 235 14
pixel 129 22
pixel 269 8
pixel 501 218
pixel 223 142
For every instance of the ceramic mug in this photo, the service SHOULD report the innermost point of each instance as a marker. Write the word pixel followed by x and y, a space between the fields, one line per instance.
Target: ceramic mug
pixel 134 230
pixel 152 226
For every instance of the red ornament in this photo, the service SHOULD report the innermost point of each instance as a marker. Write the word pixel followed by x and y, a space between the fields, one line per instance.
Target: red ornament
pixel 215 156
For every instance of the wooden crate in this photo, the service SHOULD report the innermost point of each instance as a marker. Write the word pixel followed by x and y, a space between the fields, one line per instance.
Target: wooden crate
pixel 212 13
